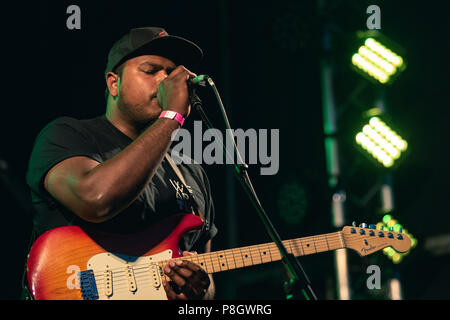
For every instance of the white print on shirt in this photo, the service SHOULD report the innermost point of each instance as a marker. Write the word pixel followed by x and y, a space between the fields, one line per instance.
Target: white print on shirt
pixel 179 188
pixel 181 195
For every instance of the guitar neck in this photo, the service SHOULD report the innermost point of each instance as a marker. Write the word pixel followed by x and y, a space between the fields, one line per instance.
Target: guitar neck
pixel 230 259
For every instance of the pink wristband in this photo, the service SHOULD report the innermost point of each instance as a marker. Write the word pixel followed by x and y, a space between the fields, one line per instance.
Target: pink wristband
pixel 172 115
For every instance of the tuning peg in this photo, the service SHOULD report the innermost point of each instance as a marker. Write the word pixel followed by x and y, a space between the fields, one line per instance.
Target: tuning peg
pixel 363 225
pixel 400 230
pixel 391 228
pixel 372 226
pixel 354 223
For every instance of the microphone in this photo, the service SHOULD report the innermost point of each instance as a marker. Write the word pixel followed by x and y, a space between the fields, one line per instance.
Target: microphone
pixel 199 80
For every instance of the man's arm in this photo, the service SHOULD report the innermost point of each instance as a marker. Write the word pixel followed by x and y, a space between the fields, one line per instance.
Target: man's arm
pixel 98 191
pixel 95 191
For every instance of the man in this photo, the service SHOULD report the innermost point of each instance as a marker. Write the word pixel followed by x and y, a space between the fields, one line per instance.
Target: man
pixel 111 171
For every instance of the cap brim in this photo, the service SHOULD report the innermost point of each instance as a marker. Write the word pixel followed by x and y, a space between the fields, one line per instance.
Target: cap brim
pixel 179 50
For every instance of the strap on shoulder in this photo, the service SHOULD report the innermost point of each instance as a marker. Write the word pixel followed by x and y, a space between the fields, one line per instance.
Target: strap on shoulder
pixel 180 176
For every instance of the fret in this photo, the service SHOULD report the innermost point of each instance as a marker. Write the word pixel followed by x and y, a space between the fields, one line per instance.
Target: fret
pixel 234 259
pixel 296 251
pixel 161 265
pixel 212 263
pixel 333 243
pixel 255 255
pixel 342 240
pixel 265 254
pixel 260 255
pixel 221 257
pixel 198 260
pixel 247 257
pixel 226 259
pixel 240 261
pixel 268 252
pixel 308 247
pixel 288 245
pixel 320 244
pixel 275 253
pixel 326 239
pixel 202 262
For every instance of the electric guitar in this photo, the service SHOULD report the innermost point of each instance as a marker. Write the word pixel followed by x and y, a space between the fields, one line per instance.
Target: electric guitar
pixel 79 264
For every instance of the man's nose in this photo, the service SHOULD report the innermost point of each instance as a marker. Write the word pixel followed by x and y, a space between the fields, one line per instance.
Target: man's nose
pixel 161 76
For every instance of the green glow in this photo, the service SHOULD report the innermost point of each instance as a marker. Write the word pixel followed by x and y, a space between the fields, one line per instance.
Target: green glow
pixel 381 142
pixel 389 221
pixel 376 60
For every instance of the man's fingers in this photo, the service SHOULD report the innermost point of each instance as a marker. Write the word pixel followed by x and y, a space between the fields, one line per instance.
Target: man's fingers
pixel 194 268
pixel 175 274
pixel 181 71
pixel 190 277
pixel 171 294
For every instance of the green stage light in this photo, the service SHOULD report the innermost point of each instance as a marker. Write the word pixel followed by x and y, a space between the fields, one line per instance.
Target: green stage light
pixel 389 222
pixel 375 60
pixel 384 144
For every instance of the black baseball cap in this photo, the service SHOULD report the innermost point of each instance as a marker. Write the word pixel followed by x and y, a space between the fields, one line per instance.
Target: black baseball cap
pixel 153 41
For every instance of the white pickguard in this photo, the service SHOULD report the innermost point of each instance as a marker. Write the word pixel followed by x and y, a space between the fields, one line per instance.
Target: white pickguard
pixel 114 281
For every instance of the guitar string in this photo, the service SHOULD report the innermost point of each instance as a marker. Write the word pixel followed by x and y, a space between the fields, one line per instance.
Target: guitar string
pixel 225 253
pixel 119 286
pixel 251 250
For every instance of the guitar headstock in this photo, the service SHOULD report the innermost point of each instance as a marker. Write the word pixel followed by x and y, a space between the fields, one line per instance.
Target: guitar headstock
pixel 366 241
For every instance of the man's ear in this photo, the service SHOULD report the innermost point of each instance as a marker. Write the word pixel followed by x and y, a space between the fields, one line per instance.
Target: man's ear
pixel 113 83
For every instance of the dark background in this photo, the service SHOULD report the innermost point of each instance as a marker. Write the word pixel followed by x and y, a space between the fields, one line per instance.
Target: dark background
pixel 264 58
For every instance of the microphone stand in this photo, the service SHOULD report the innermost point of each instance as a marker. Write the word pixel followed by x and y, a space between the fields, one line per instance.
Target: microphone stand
pixel 299 286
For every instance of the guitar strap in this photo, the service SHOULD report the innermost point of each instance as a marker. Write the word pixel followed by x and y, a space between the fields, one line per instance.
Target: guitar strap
pixel 180 176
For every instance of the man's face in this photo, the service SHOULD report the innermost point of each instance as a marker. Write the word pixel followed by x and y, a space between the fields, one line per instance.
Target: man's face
pixel 139 85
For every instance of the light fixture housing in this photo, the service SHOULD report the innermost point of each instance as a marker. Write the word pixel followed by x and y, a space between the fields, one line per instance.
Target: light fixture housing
pixel 381 142
pixel 377 58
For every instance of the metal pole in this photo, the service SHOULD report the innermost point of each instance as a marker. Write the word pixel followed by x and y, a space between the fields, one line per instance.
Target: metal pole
pixel 333 170
pixel 332 155
pixel 387 203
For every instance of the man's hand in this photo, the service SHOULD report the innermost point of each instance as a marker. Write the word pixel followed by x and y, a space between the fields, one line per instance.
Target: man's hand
pixel 192 281
pixel 173 91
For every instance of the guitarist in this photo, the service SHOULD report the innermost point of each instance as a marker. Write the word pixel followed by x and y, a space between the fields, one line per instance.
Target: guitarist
pixel 111 172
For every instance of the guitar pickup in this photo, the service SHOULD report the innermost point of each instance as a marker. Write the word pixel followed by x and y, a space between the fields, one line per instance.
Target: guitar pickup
pixel 108 283
pixel 131 279
pixel 155 274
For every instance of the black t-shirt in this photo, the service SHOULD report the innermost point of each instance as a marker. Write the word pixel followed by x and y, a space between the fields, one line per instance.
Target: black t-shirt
pixel 98 139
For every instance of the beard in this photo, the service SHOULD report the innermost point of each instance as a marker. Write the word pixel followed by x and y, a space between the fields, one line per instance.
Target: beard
pixel 141 115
